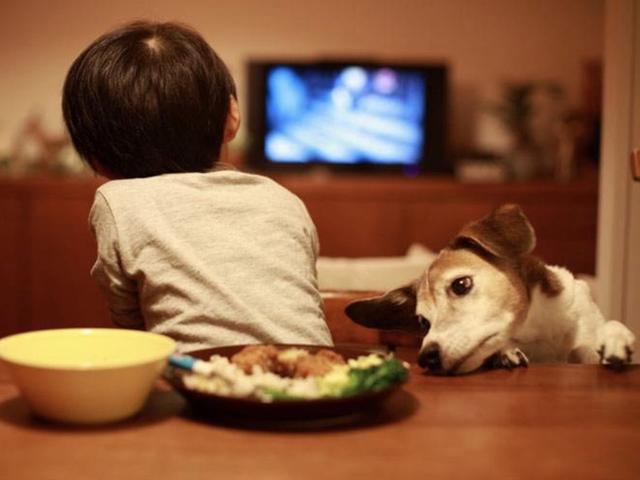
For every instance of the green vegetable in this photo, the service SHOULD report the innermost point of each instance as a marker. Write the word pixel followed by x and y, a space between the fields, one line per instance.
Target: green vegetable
pixel 374 379
pixel 276 394
pixel 344 381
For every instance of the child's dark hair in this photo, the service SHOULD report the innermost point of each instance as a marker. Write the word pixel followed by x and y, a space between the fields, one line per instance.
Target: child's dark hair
pixel 147 99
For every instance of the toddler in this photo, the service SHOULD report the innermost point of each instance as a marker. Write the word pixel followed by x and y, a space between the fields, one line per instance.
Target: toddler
pixel 186 247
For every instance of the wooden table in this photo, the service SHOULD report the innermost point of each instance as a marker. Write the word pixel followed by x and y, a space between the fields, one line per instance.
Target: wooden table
pixel 568 422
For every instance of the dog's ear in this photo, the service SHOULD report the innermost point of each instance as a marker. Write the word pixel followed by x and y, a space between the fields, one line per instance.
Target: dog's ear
pixel 395 310
pixel 505 233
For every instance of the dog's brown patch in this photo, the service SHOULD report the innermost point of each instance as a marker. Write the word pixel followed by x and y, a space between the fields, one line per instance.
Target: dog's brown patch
pixel 505 238
pixel 527 269
pixel 534 272
pixel 505 233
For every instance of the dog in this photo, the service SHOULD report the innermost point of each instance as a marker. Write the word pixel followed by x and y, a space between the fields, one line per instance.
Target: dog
pixel 486 301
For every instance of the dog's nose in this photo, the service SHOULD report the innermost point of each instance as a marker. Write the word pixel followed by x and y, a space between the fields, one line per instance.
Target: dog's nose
pixel 430 357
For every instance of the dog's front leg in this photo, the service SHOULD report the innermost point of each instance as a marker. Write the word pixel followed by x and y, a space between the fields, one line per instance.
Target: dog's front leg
pixel 615 344
pixel 510 357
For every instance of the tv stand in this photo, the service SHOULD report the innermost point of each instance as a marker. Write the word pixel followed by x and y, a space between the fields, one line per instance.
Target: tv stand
pixel 46 248
pixel 381 215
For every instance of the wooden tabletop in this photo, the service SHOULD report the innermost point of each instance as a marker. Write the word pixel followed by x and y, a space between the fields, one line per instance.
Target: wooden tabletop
pixel 561 421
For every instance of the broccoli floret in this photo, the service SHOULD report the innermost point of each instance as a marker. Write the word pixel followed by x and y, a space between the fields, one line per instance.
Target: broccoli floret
pixel 374 379
pixel 345 381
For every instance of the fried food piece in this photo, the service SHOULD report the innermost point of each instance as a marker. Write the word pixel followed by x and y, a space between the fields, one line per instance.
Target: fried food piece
pixel 288 359
pixel 332 356
pixel 318 364
pixel 291 362
pixel 263 356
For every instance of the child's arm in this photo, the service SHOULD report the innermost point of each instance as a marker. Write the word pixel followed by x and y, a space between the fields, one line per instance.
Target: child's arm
pixel 121 291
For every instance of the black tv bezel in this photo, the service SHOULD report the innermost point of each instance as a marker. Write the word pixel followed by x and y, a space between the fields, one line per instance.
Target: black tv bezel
pixel 435 156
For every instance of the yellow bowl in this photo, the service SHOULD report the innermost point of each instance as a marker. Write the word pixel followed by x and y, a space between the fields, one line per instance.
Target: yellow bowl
pixel 85 375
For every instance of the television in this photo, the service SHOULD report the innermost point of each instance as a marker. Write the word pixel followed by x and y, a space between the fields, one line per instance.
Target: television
pixel 346 115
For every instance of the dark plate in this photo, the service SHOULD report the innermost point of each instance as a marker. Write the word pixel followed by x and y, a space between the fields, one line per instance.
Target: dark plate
pixel 219 406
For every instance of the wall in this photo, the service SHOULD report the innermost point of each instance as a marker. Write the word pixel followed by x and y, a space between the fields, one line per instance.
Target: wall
pixel 618 257
pixel 484 42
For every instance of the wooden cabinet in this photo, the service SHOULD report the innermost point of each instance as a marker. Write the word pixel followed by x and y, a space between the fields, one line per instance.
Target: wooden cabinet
pixel 364 216
pixel 45 257
pixel 47 250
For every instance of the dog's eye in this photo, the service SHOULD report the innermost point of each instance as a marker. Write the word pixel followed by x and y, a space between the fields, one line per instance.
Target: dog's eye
pixel 462 286
pixel 424 323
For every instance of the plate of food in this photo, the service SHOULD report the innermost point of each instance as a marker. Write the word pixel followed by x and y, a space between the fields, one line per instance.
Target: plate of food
pixel 285 381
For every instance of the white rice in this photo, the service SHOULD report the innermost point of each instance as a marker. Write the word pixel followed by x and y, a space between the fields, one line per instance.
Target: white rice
pixel 225 378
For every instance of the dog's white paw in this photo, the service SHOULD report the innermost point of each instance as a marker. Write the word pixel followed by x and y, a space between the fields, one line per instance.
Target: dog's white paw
pixel 615 344
pixel 510 358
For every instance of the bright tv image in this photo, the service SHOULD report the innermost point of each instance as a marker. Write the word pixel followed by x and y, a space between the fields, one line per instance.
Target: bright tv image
pixel 344 115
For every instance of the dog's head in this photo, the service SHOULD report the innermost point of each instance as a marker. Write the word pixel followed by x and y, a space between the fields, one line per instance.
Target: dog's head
pixel 470 299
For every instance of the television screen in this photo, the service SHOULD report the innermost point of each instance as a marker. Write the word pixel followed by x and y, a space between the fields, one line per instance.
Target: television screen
pixel 346 113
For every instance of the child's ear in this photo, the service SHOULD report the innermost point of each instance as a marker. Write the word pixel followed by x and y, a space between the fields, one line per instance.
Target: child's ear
pixel 232 123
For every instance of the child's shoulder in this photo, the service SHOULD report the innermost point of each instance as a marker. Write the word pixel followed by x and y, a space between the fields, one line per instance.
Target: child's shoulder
pixel 234 177
pixel 123 185
pixel 217 181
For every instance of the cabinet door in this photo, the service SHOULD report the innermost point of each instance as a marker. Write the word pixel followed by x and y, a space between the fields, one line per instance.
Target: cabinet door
pixel 435 223
pixel 358 227
pixel 13 264
pixel 565 224
pixel 62 294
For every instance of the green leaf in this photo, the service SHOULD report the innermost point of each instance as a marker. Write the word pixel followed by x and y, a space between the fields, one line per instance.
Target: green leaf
pixel 280 394
pixel 374 379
